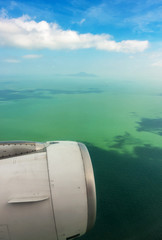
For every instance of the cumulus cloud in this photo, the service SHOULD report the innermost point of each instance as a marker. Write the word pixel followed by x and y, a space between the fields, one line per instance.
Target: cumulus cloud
pixel 32 56
pixel 26 33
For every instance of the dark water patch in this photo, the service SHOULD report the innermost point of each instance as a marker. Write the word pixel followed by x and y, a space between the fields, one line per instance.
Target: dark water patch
pixel 129 194
pixel 153 125
pixel 2 83
pixel 123 140
pixel 133 114
pixel 54 91
pixel 148 152
pixel 9 94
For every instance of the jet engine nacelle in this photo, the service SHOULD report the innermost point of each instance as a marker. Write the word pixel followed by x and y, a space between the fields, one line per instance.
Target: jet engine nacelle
pixel 47 191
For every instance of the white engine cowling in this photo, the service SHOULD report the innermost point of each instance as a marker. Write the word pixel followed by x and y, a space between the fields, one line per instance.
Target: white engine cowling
pixel 47 190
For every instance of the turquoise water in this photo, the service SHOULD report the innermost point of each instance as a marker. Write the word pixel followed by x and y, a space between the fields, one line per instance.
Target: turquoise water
pixel 122 126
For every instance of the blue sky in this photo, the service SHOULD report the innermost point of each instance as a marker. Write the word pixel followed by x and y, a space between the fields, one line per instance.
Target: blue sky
pixel 115 39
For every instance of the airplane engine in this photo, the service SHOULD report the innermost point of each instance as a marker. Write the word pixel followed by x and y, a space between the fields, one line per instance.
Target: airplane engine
pixel 47 191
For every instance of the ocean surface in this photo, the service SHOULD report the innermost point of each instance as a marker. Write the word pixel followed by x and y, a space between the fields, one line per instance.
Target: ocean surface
pixel 121 124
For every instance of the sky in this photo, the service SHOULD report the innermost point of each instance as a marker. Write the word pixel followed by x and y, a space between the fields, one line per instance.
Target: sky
pixel 113 39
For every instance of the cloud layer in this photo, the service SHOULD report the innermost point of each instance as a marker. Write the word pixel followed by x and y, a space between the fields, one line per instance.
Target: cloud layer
pixel 32 56
pixel 26 33
pixel 11 60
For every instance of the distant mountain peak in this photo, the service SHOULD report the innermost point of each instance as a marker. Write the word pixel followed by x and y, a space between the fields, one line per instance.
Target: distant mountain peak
pixel 82 74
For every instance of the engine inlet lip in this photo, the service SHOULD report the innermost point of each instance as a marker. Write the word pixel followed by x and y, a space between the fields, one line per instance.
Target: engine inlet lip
pixel 90 186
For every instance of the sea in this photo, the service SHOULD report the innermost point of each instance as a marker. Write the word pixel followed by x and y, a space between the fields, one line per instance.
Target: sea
pixel 121 124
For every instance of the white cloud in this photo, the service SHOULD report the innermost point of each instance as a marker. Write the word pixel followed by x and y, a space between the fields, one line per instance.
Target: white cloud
pixel 3 13
pixel 79 22
pixel 32 56
pixel 131 57
pixel 102 13
pixel 13 4
pixel 147 21
pixel 157 64
pixel 26 33
pixel 155 55
pixel 82 21
pixel 11 60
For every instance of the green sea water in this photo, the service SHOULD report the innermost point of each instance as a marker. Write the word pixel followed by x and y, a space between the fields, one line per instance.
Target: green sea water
pixel 121 124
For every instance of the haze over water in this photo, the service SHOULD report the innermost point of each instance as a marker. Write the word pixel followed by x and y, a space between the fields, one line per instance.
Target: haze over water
pixel 121 124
